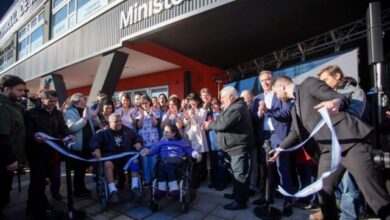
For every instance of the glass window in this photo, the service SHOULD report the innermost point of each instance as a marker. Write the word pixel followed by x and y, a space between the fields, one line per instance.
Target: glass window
pixel 23 48
pixel 60 21
pixel 72 6
pixel 72 20
pixel 56 3
pixel 33 22
pixel 80 3
pixel 22 33
pixel 41 17
pixel 37 38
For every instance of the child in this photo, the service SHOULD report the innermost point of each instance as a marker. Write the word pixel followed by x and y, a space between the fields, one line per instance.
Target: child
pixel 171 150
pixel 217 163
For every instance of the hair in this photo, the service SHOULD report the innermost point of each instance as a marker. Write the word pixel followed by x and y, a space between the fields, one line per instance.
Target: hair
pixel 205 90
pixel 351 80
pixel 229 90
pixel 332 70
pixel 10 81
pixel 215 101
pixel 195 97
pixel 176 101
pixel 75 98
pixel 108 102
pixel 48 93
pixel 127 96
pixel 246 91
pixel 147 98
pixel 175 130
pixel 114 115
pixel 101 93
pixel 138 93
pixel 265 72
pixel 164 96
pixel 281 78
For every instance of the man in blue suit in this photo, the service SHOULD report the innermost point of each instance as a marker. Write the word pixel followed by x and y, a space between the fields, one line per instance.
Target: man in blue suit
pixel 272 118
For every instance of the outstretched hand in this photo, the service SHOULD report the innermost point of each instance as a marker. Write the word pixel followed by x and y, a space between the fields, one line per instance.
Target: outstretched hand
pixel 332 106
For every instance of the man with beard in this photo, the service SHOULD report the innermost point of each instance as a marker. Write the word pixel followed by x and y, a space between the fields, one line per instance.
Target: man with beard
pixel 48 119
pixel 12 132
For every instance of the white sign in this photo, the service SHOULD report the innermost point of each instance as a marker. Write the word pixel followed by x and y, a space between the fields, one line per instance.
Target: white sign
pixel 89 8
pixel 137 13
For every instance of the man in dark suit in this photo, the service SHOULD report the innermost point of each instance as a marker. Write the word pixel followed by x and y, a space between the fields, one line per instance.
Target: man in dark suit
pixel 272 119
pixel 235 137
pixel 353 135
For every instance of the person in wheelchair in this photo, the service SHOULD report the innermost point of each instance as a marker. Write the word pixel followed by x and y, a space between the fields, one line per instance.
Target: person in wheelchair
pixel 171 150
pixel 113 139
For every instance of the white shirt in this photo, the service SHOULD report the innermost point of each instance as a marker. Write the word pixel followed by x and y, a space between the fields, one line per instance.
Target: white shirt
pixel 267 126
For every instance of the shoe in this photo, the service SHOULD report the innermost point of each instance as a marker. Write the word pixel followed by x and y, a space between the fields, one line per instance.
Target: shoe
pixel 287 209
pixel 229 195
pixel 235 206
pixel 251 192
pixel 158 194
pixel 174 194
pixel 57 197
pixel 137 193
pixel 316 216
pixel 113 198
pixel 81 194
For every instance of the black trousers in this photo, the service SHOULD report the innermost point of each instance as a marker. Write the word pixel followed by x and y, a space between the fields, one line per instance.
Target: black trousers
pixel 39 169
pixel 6 188
pixel 240 168
pixel 358 161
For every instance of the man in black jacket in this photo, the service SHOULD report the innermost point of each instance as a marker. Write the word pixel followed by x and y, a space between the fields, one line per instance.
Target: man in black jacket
pixel 235 137
pixel 47 119
pixel 353 135
pixel 12 133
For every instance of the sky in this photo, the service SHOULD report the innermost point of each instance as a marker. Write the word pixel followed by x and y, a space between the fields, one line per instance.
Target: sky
pixel 4 5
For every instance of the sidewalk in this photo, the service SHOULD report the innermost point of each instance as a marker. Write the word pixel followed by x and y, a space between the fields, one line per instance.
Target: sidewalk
pixel 208 205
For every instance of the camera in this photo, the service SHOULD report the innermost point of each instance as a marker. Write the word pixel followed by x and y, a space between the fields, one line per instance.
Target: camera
pixel 381 159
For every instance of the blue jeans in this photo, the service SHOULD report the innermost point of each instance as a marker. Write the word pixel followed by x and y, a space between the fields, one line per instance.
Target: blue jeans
pixel 148 163
pixel 350 197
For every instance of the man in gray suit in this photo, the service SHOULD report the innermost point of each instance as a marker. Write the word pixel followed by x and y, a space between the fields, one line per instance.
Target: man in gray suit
pixel 353 135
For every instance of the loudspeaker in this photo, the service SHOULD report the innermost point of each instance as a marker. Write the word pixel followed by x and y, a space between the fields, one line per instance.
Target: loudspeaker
pixel 187 83
pixel 374 33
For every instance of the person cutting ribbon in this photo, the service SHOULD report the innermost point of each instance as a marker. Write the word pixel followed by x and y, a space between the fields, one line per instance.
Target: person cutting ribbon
pixel 353 136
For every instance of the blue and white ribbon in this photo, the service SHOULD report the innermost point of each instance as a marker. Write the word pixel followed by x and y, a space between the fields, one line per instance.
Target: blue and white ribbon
pixel 51 142
pixel 335 160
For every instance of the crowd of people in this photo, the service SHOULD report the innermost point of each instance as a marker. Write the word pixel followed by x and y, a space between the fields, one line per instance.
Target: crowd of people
pixel 230 137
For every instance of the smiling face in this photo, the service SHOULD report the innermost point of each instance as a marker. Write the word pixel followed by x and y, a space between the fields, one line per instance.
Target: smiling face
pixel 168 134
pixel 15 92
pixel 265 81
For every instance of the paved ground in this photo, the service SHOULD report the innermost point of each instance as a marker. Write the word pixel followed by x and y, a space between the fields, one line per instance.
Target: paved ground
pixel 208 205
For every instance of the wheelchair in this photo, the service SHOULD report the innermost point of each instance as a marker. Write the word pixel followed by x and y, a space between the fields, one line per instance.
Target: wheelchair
pixel 102 191
pixel 185 175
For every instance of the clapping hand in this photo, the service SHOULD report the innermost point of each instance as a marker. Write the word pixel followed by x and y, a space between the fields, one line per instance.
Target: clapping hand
pixel 144 152
pixel 197 156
